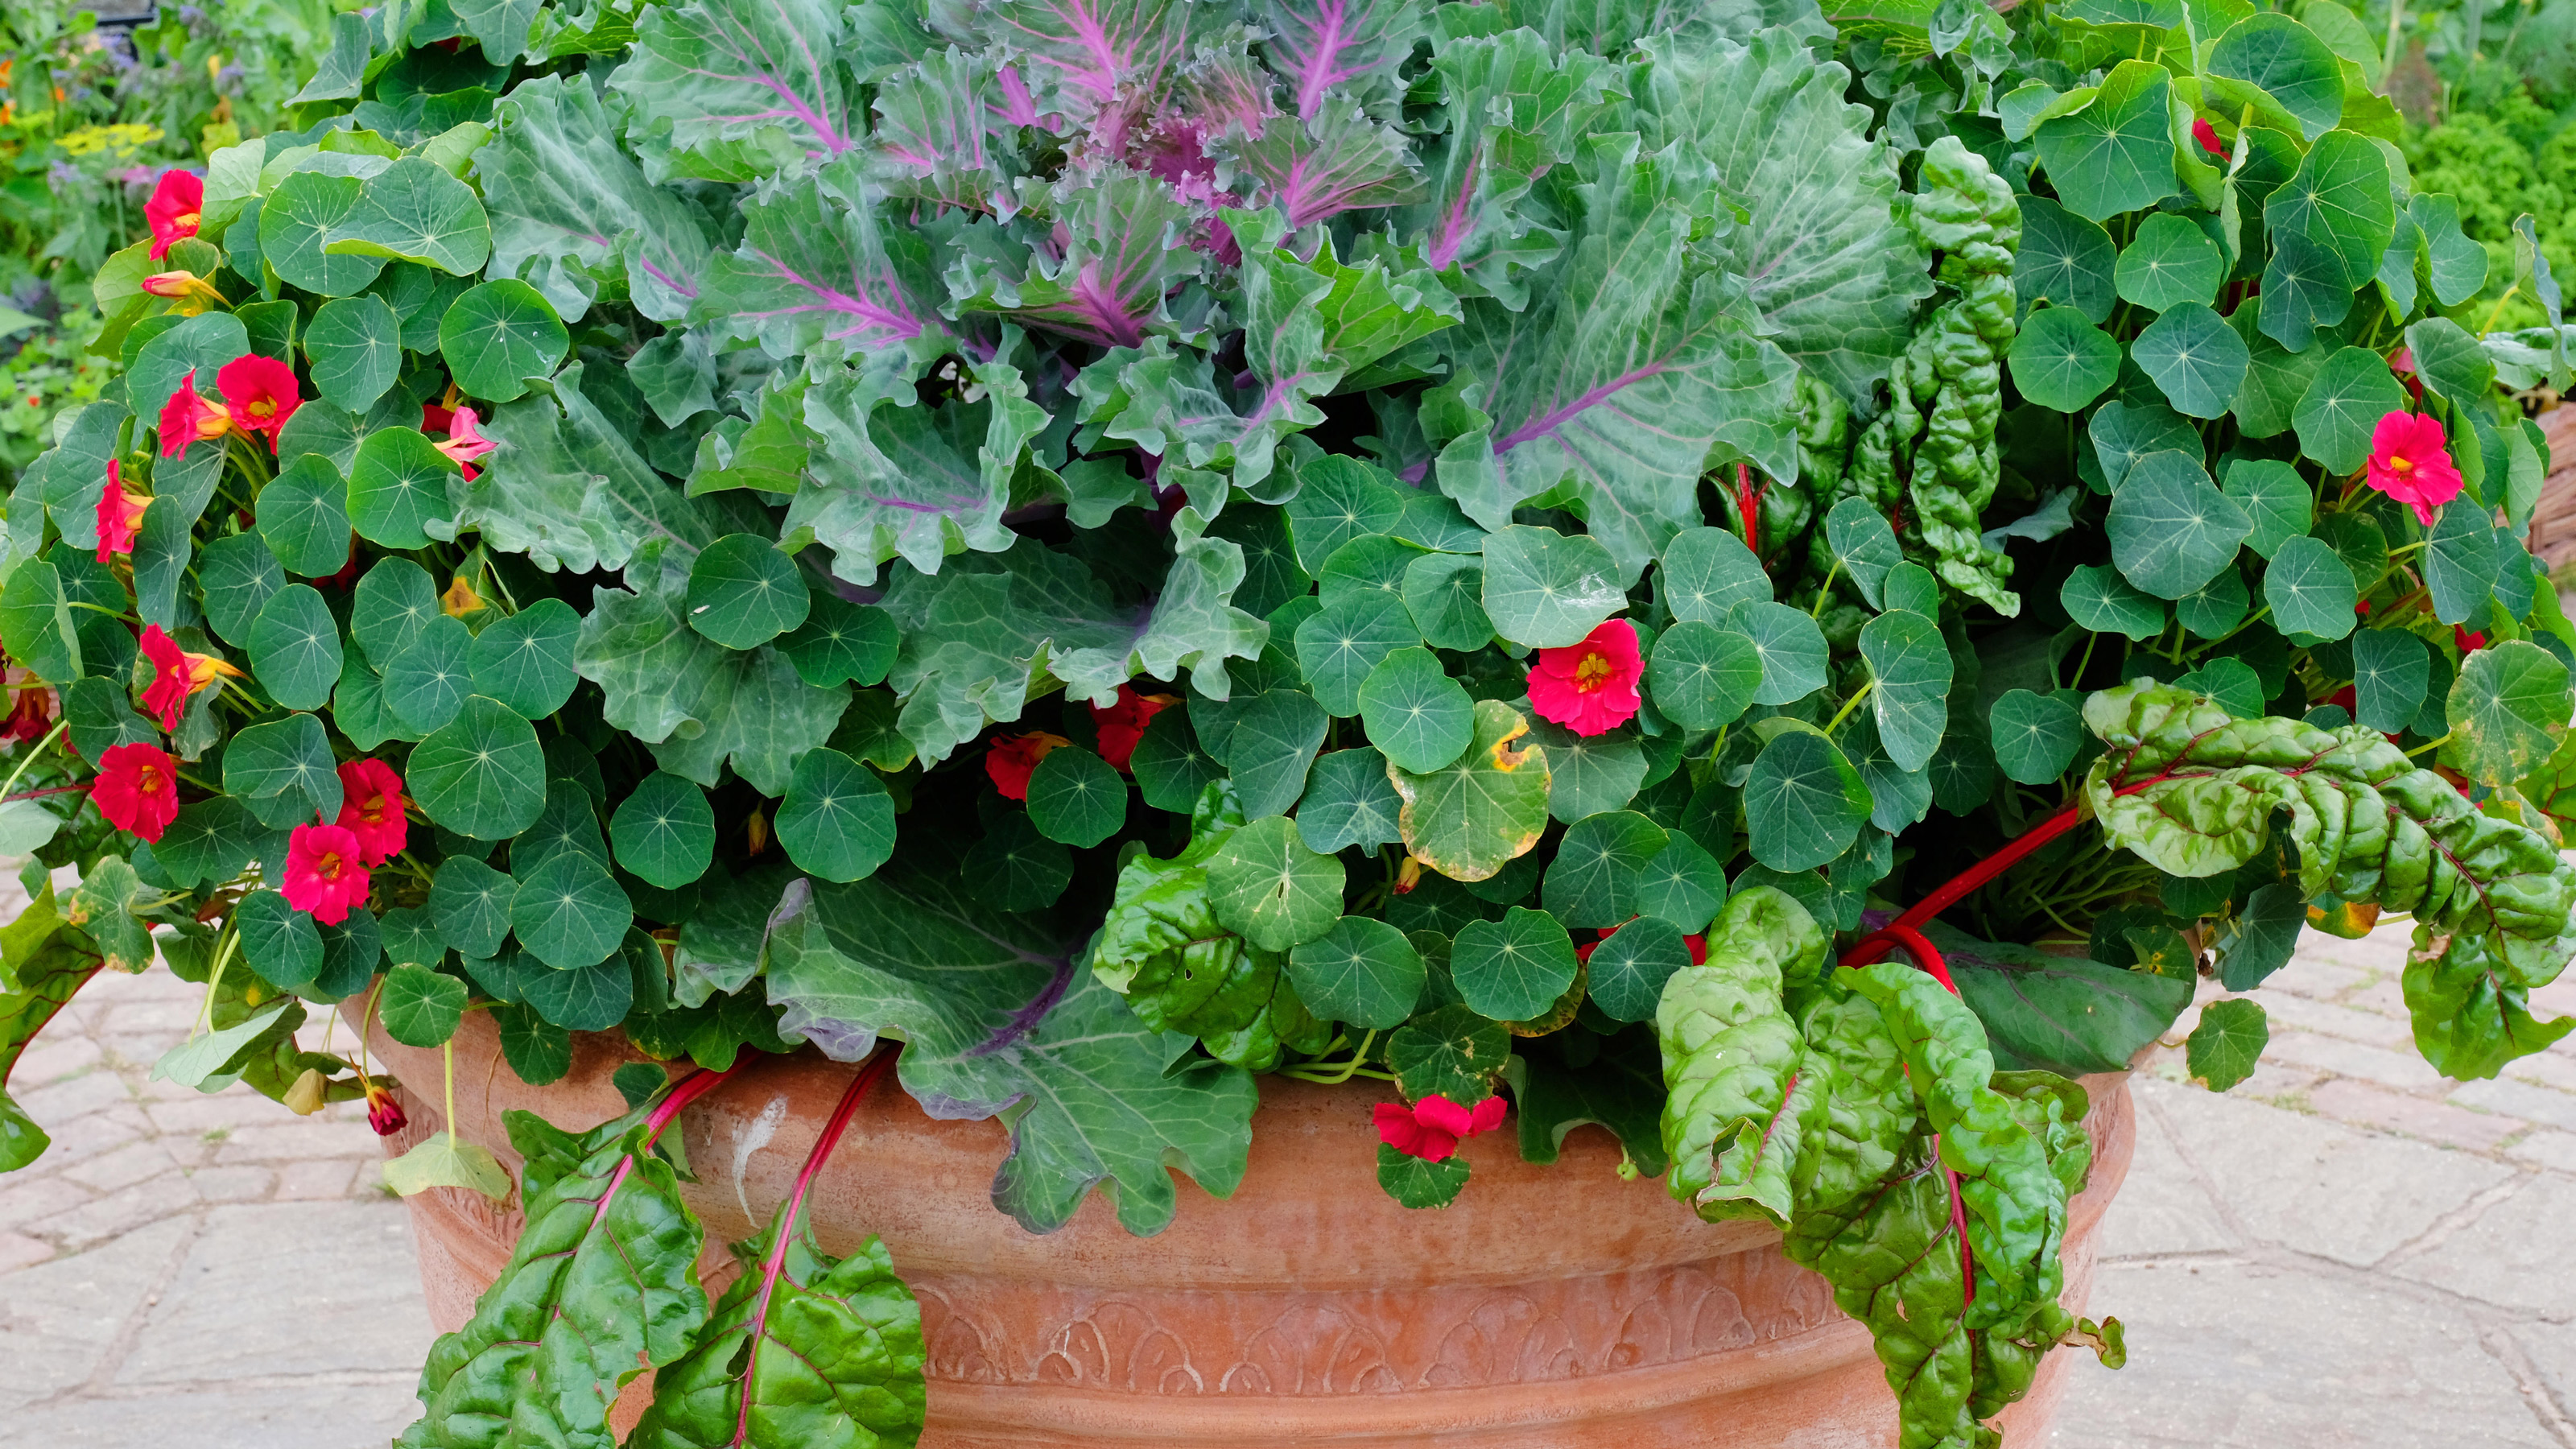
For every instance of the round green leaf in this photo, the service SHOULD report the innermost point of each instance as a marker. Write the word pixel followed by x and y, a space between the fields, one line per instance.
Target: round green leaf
pixel 1587 774
pixel 1803 802
pixel 2274 496
pixel 2213 610
pixel 2509 708
pixel 2035 736
pixel 408 935
pixel 304 517
pixel 744 592
pixel 351 953
pixel 2116 154
pixel 1445 593
pixel 281 943
pixel 2231 682
pixel 1270 747
pixel 2061 361
pixel 1548 589
pixel 1349 802
pixel 1683 884
pixel 1702 677
pixel 2353 391
pixel 1271 574
pixel 471 903
pixel 1910 586
pixel 525 660
pixel 837 821
pixel 1415 713
pixel 1864 546
pixel 841 643
pixel 1013 868
pixel 1342 643
pixel 393 601
pixel 2171 261
pixel 1267 887
pixel 482 774
pixel 569 912
pixel 397 484
pixel 1631 965
pixel 1594 879
pixel 1467 820
pixel 1790 646
pixel 419 1007
pixel 293 220
pixel 415 211
pixel 1362 971
pixel 426 684
pixel 2391 670
pixel 238 575
pixel 2122 433
pixel 1372 562
pixel 1707 572
pixel 497 336
pixel 665 832
pixel 2063 260
pixel 2228 1040
pixel 1514 968
pixel 283 771
pixel 2195 357
pixel 2285 60
pixel 1169 766
pixel 1911 698
pixel 2170 528
pixel 295 648
pixel 2310 590
pixel 355 345
pixel 1075 797
pixel 584 998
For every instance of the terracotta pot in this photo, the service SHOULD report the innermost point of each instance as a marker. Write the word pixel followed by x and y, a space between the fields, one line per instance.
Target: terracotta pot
pixel 1554 1306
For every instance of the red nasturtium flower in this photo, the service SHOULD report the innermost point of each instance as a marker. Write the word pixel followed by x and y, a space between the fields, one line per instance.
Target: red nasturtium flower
pixel 120 514
pixel 2207 135
pixel 2410 461
pixel 2469 643
pixel 465 441
pixel 371 808
pixel 384 1113
pixel 1013 757
pixel 1432 1128
pixel 261 393
pixel 1591 687
pixel 193 293
pixel 326 874
pixel 137 789
pixel 32 707
pixel 173 210
pixel 1123 724
pixel 178 675
pixel 186 418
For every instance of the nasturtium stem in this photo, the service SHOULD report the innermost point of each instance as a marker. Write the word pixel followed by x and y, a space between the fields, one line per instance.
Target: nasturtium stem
pixel 1825 591
pixel 2428 745
pixel 215 980
pixel 20 773
pixel 1849 705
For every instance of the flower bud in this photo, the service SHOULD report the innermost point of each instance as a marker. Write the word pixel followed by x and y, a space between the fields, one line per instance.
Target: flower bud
pixel 384 1113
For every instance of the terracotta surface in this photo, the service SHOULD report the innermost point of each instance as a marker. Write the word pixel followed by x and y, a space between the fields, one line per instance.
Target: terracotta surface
pixel 1553 1306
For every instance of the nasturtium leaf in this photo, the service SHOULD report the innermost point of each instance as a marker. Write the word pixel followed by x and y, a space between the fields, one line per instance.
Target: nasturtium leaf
pixel 1074 796
pixel 581 998
pixel 1588 774
pixel 2450 361
pixel 2116 154
pixel 2262 937
pixel 355 344
pixel 2274 497
pixel 1470 819
pixel 2460 561
pixel 1170 767
pixel 499 335
pixel 1339 646
pixel 238 575
pixel 1547 589
pixel 1445 592
pixel 1339 499
pixel 414 211
pixel 1599 864
pixel 1803 802
pixel 304 517
pixel 524 660
pixel 845 643
pixel 293 220
pixel 1271 574
pixel 837 821
pixel 295 648
pixel 1450 1051
pixel 1362 971
pixel 398 483
pixel 2124 432
pixel 1416 714
pixel 665 831
pixel 1515 968
pixel 2170 528
pixel 2064 260
pixel 570 821
pixel 1014 868
pixel 1910 666
pixel 1683 884
pixel 97 718
pixel 2508 709
pixel 2231 682
pixel 1706 572
pixel 408 935
pixel 1790 646
pixel 2213 610
pixel 2061 361
pixel 2035 736
pixel 2275 379
pixel 418 1007
pixel 1349 802
pixel 471 903
pixel 482 774
pixel 1630 966
pixel 352 951
pixel 281 943
pixel 2390 670
pixel 1266 886
pixel 210 841
pixel 1864 546
pixel 2336 416
pixel 2459 265
pixel 427 683
pixel 2330 224
pixel 2194 357
pixel 568 911
pixel 1270 748
pixel 1703 677
pixel 744 592
pixel 2310 590
pixel 2285 60
pixel 200 344
pixel 393 601
pixel 2228 1040
pixel 1371 562
pixel 2169 262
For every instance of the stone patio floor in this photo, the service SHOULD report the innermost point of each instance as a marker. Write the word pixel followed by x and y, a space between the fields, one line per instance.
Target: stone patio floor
pixel 2347 1250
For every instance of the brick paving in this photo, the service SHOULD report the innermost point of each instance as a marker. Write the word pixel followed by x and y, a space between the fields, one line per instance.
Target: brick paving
pixel 2347 1250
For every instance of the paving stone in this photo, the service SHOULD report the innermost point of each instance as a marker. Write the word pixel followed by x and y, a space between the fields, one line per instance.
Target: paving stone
pixel 2514 1254
pixel 2551 1347
pixel 57 1319
pixel 2549 1148
pixel 135 1162
pixel 2519 1099
pixel 2554 1068
pixel 200 1112
pixel 2406 1071
pixel 2291 1014
pixel 2246 1356
pixel 335 1281
pixel 303 1181
pixel 20 1251
pixel 91 1135
pixel 296 1138
pixel 341 1414
pixel 24 1199
pixel 120 1212
pixel 75 1098
pixel 2364 1105
pixel 2312 1186
pixel 233 1184
pixel 2558 998
pixel 54 1057
pixel 2162 1208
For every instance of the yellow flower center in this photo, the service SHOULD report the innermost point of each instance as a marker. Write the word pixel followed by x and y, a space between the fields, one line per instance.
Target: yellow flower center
pixel 184 221
pixel 2397 464
pixel 1593 672
pixel 327 865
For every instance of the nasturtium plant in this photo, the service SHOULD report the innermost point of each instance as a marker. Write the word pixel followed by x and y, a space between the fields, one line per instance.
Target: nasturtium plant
pixel 1506 558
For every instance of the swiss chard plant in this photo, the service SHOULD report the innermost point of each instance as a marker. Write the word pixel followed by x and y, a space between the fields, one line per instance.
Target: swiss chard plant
pixel 1096 552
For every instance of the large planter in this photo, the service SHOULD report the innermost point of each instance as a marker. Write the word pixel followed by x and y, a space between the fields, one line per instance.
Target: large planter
pixel 1554 1306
